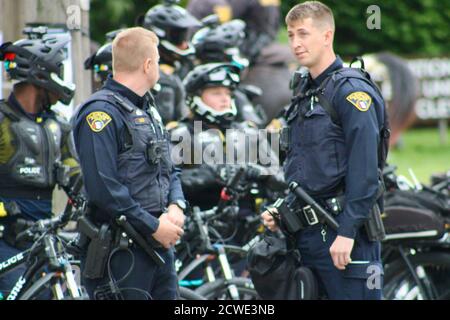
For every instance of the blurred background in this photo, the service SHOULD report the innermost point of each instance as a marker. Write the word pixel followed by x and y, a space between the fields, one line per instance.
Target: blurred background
pixel 415 31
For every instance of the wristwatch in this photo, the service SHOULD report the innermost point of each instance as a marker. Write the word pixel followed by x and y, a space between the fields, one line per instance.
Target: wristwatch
pixel 181 204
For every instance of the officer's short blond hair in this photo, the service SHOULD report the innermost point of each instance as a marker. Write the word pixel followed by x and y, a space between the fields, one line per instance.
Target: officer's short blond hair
pixel 320 13
pixel 132 47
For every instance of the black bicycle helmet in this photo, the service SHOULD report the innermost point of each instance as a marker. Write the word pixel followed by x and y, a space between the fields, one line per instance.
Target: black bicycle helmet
pixel 39 61
pixel 220 43
pixel 171 24
pixel 101 60
pixel 206 76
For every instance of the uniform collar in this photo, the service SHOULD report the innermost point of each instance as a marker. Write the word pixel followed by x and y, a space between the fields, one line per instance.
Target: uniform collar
pixel 115 86
pixel 337 64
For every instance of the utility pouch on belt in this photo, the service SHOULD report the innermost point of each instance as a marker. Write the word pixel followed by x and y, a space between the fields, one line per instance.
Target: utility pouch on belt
pixel 98 249
pixel 289 217
pixel 374 225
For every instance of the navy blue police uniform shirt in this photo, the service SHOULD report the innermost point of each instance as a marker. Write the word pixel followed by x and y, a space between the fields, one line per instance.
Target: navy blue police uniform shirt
pixel 344 154
pixel 98 153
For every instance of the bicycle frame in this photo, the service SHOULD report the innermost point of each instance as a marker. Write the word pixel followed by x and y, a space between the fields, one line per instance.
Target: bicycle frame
pixel 59 266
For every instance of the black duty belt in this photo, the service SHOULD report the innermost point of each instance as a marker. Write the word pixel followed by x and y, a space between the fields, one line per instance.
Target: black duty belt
pixel 297 217
pixel 308 215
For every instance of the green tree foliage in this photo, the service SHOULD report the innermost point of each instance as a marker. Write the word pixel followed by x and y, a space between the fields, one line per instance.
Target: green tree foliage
pixel 108 15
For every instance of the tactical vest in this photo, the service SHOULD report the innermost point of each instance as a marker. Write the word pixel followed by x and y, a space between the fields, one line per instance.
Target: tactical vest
pixel 170 98
pixel 34 148
pixel 318 158
pixel 330 86
pixel 144 166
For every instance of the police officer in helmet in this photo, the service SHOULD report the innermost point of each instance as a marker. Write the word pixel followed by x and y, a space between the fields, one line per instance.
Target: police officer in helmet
pixel 210 96
pixel 34 141
pixel 101 60
pixel 335 126
pixel 124 154
pixel 261 18
pixel 171 23
pixel 220 44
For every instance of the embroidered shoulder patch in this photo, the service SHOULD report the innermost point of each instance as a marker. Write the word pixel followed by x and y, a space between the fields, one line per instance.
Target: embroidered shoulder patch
pixel 361 100
pixel 98 120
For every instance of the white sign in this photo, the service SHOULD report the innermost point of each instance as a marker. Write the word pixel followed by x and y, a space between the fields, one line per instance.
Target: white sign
pixel 434 80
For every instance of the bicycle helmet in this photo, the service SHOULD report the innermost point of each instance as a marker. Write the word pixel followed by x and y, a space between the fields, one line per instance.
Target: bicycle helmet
pixel 101 60
pixel 171 24
pixel 39 60
pixel 220 43
pixel 207 76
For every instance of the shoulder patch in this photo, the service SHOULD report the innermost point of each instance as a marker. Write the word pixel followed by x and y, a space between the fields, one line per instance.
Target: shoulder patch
pixel 98 120
pixel 361 100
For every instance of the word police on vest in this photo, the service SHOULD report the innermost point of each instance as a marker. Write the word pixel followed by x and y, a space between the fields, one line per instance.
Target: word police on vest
pixel 30 171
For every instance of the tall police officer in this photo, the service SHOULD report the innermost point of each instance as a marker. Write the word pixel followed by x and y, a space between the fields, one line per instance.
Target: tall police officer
pixel 34 140
pixel 124 155
pixel 334 157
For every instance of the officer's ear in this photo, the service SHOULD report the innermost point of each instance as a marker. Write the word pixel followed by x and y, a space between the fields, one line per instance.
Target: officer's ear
pixel 148 65
pixel 328 37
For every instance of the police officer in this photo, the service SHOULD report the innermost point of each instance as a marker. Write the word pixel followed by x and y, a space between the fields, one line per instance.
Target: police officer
pixel 334 156
pixel 171 24
pixel 219 44
pixel 101 60
pixel 34 140
pixel 124 155
pixel 210 98
pixel 261 18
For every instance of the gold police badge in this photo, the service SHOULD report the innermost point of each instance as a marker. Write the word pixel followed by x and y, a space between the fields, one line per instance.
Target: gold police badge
pixel 361 100
pixel 98 120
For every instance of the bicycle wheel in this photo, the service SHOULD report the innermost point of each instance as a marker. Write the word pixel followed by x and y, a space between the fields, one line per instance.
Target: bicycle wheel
pixel 37 289
pixel 51 287
pixel 221 289
pixel 433 269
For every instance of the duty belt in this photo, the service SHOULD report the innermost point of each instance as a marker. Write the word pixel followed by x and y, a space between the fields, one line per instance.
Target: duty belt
pixel 297 217
pixel 334 205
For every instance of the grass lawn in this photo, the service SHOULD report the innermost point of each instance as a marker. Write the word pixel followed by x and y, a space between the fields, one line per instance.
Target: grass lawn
pixel 422 152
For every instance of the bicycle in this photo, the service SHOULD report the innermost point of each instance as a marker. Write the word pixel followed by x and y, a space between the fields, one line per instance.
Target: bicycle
pixel 415 251
pixel 213 258
pixel 47 255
